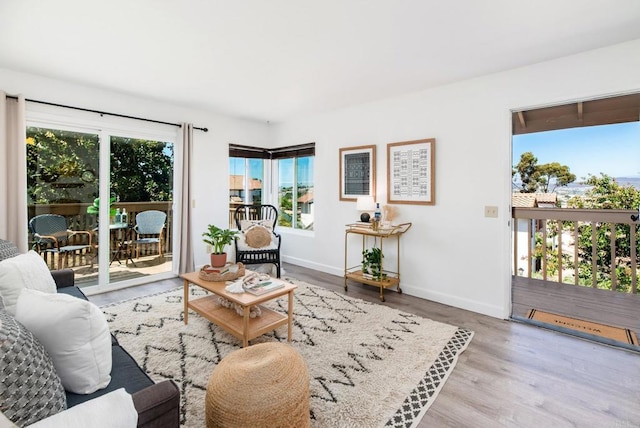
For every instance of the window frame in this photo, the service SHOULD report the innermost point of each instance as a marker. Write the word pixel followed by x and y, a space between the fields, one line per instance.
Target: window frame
pixel 271 171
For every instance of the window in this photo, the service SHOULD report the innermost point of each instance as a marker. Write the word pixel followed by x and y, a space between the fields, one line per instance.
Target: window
pixel 292 188
pixel 246 182
pixel 295 192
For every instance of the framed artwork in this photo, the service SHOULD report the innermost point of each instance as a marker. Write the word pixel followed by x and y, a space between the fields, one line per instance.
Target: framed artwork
pixel 411 172
pixel 357 172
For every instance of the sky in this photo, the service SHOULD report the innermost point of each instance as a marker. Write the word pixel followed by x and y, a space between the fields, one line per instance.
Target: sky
pixel 610 149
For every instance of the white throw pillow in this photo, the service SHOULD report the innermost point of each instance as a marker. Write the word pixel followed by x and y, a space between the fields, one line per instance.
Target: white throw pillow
pixel 23 271
pixel 74 332
pixel 114 409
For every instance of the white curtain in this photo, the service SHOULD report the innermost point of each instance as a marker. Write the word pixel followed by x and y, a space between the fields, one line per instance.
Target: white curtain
pixel 186 262
pixel 13 171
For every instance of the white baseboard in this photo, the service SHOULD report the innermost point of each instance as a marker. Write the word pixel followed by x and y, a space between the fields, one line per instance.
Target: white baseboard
pixel 445 299
pixel 315 266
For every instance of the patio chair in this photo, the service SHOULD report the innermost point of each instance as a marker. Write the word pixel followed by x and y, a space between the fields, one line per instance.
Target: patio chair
pixel 52 235
pixel 149 229
pixel 257 242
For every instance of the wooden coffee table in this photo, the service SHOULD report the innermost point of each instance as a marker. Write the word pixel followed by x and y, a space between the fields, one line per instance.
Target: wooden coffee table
pixel 242 327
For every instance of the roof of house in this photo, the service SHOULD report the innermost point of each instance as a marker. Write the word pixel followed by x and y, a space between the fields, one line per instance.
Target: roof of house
pixel 236 182
pixel 307 197
pixel 532 200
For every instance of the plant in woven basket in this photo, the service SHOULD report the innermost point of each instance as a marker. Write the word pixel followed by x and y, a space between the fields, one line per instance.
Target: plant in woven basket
pixel 218 238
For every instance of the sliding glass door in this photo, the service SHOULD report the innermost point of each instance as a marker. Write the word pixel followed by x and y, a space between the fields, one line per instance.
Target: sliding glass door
pixel 101 202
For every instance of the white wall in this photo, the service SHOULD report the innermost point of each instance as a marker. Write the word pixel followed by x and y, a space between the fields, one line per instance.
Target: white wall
pixel 452 254
pixel 210 152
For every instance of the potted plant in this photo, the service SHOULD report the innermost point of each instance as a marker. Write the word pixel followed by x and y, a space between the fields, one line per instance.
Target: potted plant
pixel 95 208
pixel 218 238
pixel 372 264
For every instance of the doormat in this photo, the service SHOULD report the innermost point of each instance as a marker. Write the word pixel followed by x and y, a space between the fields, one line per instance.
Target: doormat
pixel 623 335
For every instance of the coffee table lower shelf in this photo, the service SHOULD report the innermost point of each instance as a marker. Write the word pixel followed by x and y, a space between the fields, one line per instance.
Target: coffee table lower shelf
pixel 230 321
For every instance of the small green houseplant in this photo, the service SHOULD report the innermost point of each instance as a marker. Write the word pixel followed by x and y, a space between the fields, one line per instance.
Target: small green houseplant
pixel 95 208
pixel 372 264
pixel 218 238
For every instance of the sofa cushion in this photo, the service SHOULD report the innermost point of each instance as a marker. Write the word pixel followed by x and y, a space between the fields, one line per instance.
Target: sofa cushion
pixel 125 374
pixel 23 271
pixel 7 249
pixel 76 335
pixel 30 388
pixel 115 409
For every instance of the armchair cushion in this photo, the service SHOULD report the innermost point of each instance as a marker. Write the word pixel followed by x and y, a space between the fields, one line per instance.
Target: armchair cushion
pixel 257 235
pixel 23 271
pixel 247 224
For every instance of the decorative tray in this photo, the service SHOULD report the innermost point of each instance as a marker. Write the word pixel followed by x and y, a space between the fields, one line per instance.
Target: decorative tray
pixel 229 272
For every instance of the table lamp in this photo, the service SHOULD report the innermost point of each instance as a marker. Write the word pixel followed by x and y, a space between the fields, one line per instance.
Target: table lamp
pixel 365 204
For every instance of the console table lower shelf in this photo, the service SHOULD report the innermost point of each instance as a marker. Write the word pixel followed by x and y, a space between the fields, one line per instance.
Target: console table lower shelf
pixel 387 282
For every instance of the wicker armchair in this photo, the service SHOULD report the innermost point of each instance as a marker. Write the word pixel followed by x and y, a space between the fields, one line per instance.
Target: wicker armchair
pixel 149 229
pixel 52 235
pixel 257 242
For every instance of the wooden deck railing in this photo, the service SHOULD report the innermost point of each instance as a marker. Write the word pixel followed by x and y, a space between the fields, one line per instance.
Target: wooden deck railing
pixel 78 219
pixel 596 248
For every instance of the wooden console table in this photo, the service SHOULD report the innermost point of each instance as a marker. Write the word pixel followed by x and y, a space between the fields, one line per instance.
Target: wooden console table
pixel 355 273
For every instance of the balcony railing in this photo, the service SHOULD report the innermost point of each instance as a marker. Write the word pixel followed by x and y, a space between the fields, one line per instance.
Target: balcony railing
pixel 595 248
pixel 78 219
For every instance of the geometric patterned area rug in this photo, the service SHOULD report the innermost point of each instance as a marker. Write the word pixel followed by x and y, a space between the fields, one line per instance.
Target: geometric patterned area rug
pixel 369 365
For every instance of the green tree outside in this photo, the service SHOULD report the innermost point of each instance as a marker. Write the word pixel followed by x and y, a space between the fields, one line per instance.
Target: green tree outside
pixel 63 167
pixel 543 178
pixel 607 193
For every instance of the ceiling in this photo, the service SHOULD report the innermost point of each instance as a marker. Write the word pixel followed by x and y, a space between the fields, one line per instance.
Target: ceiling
pixel 275 60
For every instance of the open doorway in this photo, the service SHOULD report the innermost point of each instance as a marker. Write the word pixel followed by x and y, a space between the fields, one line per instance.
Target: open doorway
pixel 576 186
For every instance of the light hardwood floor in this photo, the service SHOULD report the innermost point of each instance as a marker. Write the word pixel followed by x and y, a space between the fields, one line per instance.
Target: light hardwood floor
pixel 511 375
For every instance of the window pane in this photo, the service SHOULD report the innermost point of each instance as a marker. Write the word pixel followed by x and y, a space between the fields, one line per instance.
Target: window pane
pixel 256 174
pixel 62 179
pixel 304 184
pixel 142 182
pixel 246 181
pixel 285 192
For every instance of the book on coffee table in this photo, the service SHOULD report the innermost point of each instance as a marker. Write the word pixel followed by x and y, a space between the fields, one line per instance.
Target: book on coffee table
pixel 263 287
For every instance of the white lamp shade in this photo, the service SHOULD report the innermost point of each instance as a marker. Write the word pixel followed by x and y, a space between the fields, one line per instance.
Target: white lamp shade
pixel 365 203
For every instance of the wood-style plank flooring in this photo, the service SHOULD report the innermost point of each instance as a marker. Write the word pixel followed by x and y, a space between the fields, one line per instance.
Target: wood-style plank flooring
pixel 511 375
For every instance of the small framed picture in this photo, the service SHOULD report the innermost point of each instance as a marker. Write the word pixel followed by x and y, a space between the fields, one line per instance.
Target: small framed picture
pixel 411 172
pixel 357 172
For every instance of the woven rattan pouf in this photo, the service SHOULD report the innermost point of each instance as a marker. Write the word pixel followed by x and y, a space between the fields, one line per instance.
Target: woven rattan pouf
pixel 264 385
